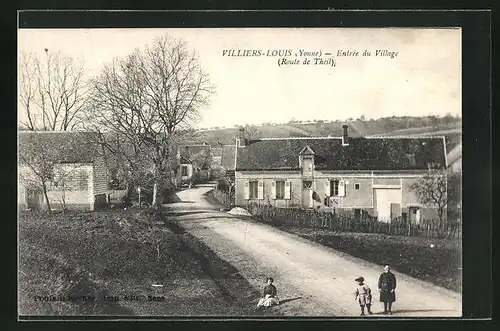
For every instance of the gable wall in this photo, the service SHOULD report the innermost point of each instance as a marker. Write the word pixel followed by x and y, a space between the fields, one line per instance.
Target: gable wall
pixel 101 176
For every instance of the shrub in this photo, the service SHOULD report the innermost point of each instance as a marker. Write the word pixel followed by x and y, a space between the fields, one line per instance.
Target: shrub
pixel 224 185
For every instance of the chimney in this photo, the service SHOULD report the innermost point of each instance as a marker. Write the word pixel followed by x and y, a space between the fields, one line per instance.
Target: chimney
pixel 345 137
pixel 241 137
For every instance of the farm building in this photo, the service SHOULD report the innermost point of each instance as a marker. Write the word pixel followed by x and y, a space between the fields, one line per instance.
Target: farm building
pixel 341 174
pixel 71 164
pixel 223 157
pixel 454 158
pixel 194 162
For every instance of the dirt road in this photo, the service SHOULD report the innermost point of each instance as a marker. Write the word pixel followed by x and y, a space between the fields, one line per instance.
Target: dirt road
pixel 312 280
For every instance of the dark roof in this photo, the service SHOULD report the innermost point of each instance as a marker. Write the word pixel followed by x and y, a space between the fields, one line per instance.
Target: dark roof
pixel 197 154
pixel 61 146
pixel 191 150
pixel 217 151
pixel 228 155
pixel 329 154
pixel 184 160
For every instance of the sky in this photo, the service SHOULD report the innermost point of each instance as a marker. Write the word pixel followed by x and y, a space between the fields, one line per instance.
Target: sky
pixel 424 78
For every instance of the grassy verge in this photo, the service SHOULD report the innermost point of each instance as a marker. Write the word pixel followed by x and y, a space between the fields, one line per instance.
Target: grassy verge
pixel 433 260
pixel 105 263
pixel 210 197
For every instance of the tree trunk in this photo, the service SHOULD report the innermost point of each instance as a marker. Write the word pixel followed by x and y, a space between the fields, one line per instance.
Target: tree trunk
pixel 128 194
pixel 155 195
pixel 46 196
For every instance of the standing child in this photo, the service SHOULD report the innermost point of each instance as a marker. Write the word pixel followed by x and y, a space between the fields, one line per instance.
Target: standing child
pixel 363 295
pixel 387 289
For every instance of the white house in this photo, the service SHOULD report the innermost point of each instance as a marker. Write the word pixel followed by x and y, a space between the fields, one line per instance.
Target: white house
pixel 348 174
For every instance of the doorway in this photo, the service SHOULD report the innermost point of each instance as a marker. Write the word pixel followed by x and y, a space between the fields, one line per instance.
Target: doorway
pixel 388 203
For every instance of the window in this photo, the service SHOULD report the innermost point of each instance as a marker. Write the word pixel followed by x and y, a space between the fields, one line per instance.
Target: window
pixel 56 179
pixel 280 189
pixel 217 159
pixel 184 171
pixel 334 188
pixel 254 189
pixel 356 186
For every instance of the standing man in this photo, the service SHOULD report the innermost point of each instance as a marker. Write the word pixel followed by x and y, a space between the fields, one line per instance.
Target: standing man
pixel 387 289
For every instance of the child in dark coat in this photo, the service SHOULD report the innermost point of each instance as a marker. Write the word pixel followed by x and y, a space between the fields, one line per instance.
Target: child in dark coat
pixel 387 289
pixel 363 295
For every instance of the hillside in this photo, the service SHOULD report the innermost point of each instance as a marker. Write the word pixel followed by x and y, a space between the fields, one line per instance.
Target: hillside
pixel 393 126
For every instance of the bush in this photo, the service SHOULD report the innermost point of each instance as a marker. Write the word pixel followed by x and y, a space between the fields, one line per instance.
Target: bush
pixel 224 185
pixel 225 198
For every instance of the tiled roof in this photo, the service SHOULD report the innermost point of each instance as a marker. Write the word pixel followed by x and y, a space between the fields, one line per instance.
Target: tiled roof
pixel 184 160
pixel 228 155
pixel 360 154
pixel 217 151
pixel 189 150
pixel 197 154
pixel 61 147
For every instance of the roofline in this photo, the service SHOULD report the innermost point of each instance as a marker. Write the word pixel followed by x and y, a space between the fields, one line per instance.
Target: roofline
pixel 340 138
pixel 406 137
pixel 222 147
pixel 198 145
pixel 297 138
pixel 349 171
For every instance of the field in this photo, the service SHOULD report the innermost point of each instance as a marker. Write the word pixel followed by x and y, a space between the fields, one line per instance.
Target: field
pixel 106 262
pixel 357 128
pixel 440 264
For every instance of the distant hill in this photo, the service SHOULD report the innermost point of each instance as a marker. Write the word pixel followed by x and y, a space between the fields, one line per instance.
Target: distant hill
pixel 450 127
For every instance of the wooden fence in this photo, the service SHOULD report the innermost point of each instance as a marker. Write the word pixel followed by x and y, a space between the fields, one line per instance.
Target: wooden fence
pixel 348 223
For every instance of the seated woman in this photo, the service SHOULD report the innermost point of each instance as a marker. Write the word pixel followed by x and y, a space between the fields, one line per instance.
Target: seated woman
pixel 269 297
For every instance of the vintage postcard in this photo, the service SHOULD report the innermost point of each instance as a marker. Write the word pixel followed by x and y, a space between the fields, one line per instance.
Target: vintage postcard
pixel 240 172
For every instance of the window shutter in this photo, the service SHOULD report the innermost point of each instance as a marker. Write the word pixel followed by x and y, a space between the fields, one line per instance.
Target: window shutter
pixel 247 190
pixel 341 188
pixel 288 189
pixel 327 187
pixel 273 189
pixel 260 193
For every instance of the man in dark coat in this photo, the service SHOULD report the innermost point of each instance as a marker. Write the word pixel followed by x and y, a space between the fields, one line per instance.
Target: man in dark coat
pixel 387 289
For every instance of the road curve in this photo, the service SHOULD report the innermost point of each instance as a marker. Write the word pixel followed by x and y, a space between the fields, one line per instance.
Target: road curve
pixel 312 279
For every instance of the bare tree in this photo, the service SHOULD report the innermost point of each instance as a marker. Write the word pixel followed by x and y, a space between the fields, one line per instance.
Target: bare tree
pixel 431 190
pixel 52 91
pixel 27 90
pixel 252 132
pixel 147 98
pixel 35 156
